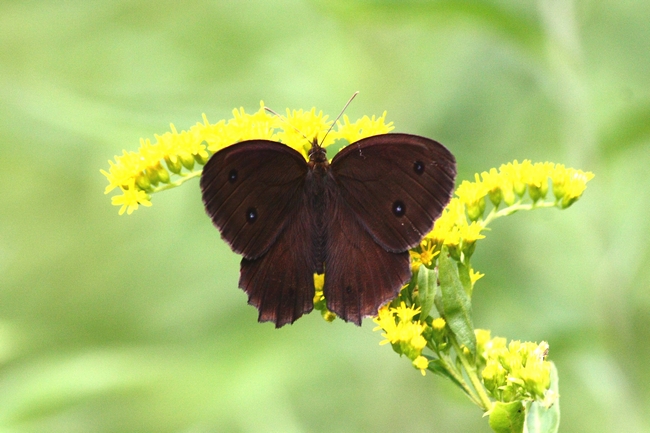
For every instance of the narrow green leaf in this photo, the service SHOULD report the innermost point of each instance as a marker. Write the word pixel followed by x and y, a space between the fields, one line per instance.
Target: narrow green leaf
pixel 453 303
pixel 542 419
pixel 426 290
pixel 508 417
pixel 466 281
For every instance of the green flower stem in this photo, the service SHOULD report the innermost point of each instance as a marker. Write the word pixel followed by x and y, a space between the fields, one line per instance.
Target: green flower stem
pixel 485 401
pixel 494 213
pixel 451 369
pixel 179 182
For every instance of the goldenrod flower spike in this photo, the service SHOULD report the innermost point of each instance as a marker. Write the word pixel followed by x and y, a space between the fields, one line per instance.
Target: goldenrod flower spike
pixel 175 157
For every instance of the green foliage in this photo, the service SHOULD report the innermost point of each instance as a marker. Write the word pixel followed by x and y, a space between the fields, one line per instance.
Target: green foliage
pixel 454 304
pixel 508 417
pixel 426 283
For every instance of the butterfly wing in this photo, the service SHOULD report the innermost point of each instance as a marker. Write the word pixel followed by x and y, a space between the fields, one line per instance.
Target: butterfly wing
pixel 360 275
pixel 396 185
pixel 248 190
pixel 254 192
pixel 385 194
pixel 280 283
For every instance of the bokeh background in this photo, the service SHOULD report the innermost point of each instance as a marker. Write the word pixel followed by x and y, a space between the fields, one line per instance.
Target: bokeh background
pixel 135 324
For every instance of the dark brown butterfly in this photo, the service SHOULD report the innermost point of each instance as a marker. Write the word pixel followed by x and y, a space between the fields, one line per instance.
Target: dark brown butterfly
pixel 354 219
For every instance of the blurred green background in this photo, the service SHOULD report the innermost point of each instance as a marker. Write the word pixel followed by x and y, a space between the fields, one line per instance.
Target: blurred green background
pixel 135 324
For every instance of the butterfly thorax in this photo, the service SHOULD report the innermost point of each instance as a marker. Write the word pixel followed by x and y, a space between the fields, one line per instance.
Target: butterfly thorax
pixel 317 154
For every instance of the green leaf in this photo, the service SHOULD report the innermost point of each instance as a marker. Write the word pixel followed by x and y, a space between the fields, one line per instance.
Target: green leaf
pixel 466 281
pixel 508 417
pixel 426 290
pixel 541 419
pixel 453 303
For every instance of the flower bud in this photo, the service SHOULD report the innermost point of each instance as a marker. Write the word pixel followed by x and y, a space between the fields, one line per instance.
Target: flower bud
pixel 142 182
pixel 508 191
pixel 202 158
pixel 152 175
pixel 187 160
pixel 495 196
pixel 475 210
pixel 163 174
pixel 173 163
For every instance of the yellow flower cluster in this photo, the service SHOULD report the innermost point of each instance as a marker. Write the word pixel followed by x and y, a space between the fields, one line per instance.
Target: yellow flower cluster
pixel 403 333
pixel 461 223
pixel 320 304
pixel 173 155
pixel 514 371
pixel 512 180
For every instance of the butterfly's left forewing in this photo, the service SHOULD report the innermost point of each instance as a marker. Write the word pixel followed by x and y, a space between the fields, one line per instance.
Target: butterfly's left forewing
pixel 396 185
pixel 385 193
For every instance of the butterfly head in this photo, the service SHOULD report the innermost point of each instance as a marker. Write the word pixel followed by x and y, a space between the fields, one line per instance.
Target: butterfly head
pixel 317 153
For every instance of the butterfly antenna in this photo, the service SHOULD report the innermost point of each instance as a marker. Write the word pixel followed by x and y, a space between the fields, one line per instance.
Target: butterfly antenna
pixel 340 114
pixel 279 116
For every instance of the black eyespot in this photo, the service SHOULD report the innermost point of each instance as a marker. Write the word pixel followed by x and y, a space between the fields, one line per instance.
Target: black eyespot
pixel 348 290
pixel 232 176
pixel 251 215
pixel 398 208
pixel 418 167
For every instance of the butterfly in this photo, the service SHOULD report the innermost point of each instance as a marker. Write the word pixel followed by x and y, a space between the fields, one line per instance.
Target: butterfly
pixel 353 219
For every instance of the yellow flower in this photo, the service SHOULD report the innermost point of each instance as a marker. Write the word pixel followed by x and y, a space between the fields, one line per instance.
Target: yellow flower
pixel 471 233
pixel 425 256
pixel 516 370
pixel 438 324
pixel 313 125
pixel 400 330
pixel 130 199
pixel 404 313
pixel 482 341
pixel 472 195
pixel 569 184
pixel 319 282
pixel 362 128
pixel 475 276
pixel 518 175
pixel 421 363
pixel 386 321
pixel 493 182
pixel 320 302
pixel 538 180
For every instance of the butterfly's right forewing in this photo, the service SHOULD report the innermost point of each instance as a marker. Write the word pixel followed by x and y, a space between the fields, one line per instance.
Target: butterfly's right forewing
pixel 250 190
pixel 254 191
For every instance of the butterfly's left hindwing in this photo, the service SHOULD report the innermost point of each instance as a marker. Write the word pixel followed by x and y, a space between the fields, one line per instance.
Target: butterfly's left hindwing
pixel 360 275
pixel 397 185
